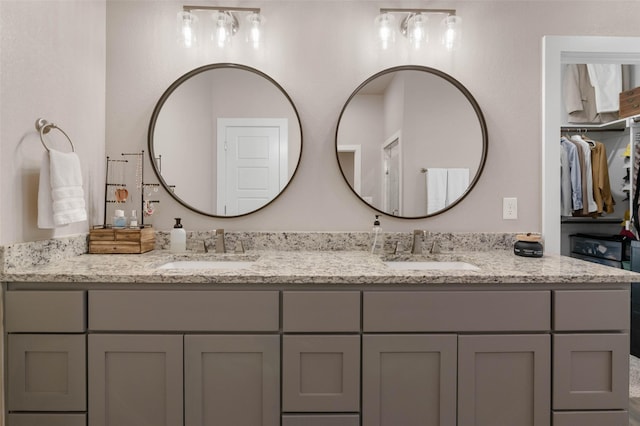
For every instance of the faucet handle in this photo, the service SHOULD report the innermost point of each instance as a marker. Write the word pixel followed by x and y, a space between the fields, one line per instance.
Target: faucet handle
pixel 239 247
pixel 220 248
pixel 398 248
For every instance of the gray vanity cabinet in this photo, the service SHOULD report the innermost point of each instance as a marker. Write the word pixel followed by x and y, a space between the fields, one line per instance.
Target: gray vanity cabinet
pixel 502 379
pixel 321 368
pixel 46 358
pixel 377 356
pixel 409 380
pixel 232 380
pixel 135 380
pixel 591 357
pixel 189 358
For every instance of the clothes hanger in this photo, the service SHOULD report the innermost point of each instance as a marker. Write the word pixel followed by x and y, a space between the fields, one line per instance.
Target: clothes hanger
pixel 587 139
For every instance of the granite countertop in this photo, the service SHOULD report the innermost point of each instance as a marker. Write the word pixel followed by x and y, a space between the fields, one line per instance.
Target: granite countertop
pixel 321 267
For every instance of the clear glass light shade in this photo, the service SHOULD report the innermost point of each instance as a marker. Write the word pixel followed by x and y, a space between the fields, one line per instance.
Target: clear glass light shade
pixel 223 28
pixel 255 31
pixel 451 32
pixel 187 29
pixel 385 28
pixel 416 30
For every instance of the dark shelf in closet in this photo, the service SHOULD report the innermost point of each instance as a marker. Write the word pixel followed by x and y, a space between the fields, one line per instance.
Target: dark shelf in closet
pixel 592 220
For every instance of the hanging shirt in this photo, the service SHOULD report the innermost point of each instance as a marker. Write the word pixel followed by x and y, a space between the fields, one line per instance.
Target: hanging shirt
pixel 601 185
pixel 584 154
pixel 592 207
pixel 574 189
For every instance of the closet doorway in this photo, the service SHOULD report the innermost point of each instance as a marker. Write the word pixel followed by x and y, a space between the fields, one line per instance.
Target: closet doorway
pixel 557 51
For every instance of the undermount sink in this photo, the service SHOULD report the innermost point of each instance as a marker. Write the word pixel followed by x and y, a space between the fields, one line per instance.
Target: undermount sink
pixel 206 264
pixel 431 266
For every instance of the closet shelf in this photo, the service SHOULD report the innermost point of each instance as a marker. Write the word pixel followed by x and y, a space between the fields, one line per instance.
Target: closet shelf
pixel 619 124
pixel 592 221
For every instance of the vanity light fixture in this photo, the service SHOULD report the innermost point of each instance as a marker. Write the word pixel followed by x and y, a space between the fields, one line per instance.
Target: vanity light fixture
pixel 414 27
pixel 222 25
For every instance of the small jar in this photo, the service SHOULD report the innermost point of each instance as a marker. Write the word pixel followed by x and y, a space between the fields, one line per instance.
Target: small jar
pixel 133 220
pixel 119 221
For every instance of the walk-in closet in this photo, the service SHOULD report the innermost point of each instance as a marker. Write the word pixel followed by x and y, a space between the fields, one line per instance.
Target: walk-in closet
pixel 598 152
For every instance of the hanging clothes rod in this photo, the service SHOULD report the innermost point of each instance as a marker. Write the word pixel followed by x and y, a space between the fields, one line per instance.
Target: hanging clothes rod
pixel 587 130
pixel 43 127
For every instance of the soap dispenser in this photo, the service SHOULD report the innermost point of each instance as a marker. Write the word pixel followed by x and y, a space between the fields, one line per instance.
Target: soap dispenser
pixel 178 237
pixel 377 239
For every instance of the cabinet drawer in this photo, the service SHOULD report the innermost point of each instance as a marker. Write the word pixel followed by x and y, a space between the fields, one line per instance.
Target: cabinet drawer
pixel 591 310
pixel 47 419
pixel 329 311
pixel 321 420
pixel 46 372
pixel 591 418
pixel 591 371
pixel 434 311
pixel 184 310
pixel 45 311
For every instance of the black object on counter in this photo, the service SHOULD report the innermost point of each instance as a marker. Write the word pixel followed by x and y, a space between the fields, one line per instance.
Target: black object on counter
pixel 528 249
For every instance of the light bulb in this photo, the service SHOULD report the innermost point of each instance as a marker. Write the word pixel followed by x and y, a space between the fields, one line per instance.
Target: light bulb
pixel 187 29
pixel 222 31
pixel 386 33
pixel 451 34
pixel 417 30
pixel 254 34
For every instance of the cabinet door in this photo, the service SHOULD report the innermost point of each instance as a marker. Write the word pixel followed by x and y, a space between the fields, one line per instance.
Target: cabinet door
pixel 409 380
pixel 591 371
pixel 321 373
pixel 232 380
pixel 504 380
pixel 47 372
pixel 135 380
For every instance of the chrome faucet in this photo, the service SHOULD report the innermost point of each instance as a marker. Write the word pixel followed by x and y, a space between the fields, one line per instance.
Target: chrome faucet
pixel 220 241
pixel 418 241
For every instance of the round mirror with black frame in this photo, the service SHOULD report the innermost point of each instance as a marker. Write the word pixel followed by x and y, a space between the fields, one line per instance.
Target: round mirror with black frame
pixel 411 142
pixel 225 140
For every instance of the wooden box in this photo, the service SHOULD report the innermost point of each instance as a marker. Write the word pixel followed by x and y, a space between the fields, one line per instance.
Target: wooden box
pixel 121 240
pixel 630 103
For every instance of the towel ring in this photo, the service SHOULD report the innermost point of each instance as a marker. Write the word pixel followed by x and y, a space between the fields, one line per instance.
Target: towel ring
pixel 44 127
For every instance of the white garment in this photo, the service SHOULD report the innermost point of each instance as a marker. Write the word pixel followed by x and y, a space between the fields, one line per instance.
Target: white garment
pixel 436 189
pixel 586 149
pixel 606 80
pixel 457 184
pixel 60 194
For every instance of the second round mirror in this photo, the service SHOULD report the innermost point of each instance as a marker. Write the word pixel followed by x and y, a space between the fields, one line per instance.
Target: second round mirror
pixel 411 142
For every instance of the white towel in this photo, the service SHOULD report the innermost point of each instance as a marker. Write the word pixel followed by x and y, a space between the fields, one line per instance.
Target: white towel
pixel 436 189
pixel 457 184
pixel 606 80
pixel 45 203
pixel 64 203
